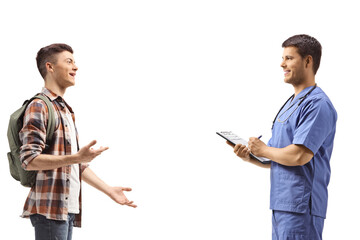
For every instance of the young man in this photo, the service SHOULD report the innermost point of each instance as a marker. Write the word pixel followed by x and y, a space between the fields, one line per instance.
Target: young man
pixel 54 202
pixel 300 147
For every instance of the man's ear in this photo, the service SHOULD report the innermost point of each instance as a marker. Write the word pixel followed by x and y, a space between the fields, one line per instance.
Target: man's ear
pixel 308 60
pixel 49 67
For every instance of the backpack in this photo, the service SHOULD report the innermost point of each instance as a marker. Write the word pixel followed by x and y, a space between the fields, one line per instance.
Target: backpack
pixel 26 178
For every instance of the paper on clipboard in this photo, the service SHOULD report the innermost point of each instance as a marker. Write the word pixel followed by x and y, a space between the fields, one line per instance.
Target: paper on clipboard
pixel 234 139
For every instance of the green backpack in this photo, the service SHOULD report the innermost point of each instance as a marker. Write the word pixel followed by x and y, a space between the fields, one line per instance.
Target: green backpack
pixel 26 178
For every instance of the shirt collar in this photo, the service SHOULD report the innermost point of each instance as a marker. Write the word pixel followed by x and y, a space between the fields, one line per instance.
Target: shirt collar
pixel 303 93
pixel 53 96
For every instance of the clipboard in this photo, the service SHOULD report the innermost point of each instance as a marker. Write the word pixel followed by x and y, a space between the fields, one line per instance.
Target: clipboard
pixel 234 139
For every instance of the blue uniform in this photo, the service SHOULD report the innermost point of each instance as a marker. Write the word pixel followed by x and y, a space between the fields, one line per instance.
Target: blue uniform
pixel 303 189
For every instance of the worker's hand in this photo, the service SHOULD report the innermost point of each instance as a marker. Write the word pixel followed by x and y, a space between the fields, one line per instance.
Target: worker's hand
pixel 87 153
pixel 241 151
pixel 257 147
pixel 117 194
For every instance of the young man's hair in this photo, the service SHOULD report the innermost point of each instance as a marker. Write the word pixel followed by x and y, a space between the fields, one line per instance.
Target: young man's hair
pixel 306 45
pixel 48 54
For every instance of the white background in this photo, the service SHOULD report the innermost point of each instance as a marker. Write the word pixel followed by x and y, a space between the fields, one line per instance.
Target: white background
pixel 156 80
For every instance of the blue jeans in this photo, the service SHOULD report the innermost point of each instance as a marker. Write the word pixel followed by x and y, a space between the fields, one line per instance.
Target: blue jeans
pixel 296 226
pixel 47 229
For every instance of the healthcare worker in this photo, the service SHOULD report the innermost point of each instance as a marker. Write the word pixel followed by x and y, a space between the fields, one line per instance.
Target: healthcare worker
pixel 300 147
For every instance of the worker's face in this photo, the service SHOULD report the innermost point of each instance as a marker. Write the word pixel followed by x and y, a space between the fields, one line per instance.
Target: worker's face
pixel 64 70
pixel 293 65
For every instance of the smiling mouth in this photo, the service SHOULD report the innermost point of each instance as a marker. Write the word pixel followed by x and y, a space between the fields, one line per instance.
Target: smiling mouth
pixel 72 74
pixel 286 72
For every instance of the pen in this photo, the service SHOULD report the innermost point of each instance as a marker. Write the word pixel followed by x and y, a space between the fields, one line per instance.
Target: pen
pixel 259 136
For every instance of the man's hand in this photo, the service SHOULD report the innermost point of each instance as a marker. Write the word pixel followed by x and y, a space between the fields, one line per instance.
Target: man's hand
pixel 244 153
pixel 257 147
pixel 50 162
pixel 87 153
pixel 117 194
pixel 241 151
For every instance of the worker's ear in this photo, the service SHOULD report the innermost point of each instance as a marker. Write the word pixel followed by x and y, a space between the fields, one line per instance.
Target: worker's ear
pixel 308 61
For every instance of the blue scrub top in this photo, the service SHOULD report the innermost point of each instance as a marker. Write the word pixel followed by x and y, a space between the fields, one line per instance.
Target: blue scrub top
pixel 313 124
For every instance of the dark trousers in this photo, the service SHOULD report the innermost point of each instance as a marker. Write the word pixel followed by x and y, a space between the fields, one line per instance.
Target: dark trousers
pixel 47 229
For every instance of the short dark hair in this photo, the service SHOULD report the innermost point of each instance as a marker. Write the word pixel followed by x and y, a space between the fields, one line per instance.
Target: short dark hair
pixel 48 54
pixel 306 45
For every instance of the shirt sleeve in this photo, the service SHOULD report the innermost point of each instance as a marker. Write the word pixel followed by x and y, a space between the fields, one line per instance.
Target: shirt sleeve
pixel 316 121
pixel 33 133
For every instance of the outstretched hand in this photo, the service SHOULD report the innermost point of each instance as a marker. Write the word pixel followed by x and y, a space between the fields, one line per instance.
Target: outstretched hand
pixel 117 194
pixel 87 153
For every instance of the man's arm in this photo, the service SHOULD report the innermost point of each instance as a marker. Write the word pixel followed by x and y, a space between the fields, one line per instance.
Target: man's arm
pixel 48 162
pixel 292 155
pixel 115 193
pixel 33 138
pixel 244 153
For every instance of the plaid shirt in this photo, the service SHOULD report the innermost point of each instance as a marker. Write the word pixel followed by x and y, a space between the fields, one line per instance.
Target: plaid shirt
pixel 49 196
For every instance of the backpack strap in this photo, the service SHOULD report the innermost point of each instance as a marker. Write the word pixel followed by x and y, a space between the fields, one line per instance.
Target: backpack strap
pixel 51 117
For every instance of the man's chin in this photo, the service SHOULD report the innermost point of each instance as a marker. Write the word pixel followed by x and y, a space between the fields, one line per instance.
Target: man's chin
pixel 290 80
pixel 287 80
pixel 71 83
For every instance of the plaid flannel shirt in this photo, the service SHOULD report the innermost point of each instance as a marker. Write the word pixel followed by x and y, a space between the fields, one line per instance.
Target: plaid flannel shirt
pixel 49 195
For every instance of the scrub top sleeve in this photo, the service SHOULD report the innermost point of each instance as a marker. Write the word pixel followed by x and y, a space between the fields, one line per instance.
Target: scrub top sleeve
pixel 316 121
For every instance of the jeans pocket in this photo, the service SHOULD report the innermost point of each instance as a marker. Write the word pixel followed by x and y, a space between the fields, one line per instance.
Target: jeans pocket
pixel 37 219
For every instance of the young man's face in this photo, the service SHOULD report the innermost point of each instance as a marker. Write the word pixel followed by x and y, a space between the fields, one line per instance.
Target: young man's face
pixel 293 65
pixel 64 70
